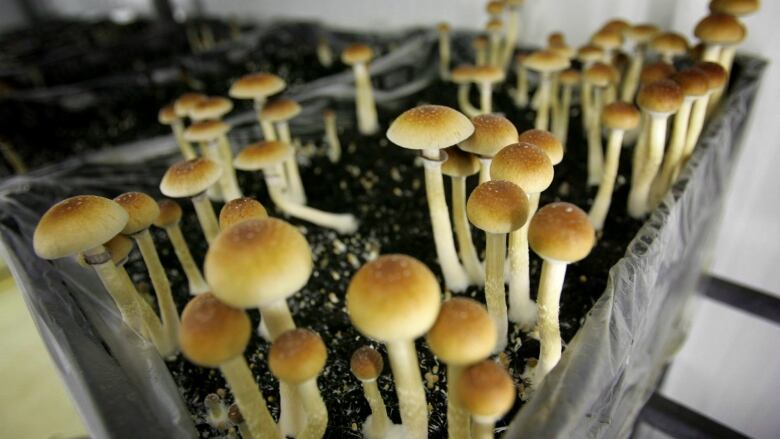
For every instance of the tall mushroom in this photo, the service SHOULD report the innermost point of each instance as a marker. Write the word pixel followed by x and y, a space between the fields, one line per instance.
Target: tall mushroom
pixel 545 62
pixel 494 28
pixel 279 112
pixel 367 364
pixel 512 30
pixel 169 219
pixel 737 8
pixel 462 75
pixel 569 79
pixel 640 34
pixel 168 116
pixel 485 77
pixel 599 76
pixel 669 45
pixel 215 108
pixel 491 133
pixel 716 80
pixel 395 299
pixel 332 135
pixel 258 87
pixel 480 44
pixel 191 179
pixel 210 133
pixel 443 29
pixel 587 55
pixel 430 128
pixel 358 56
pixel 488 393
pixel 521 90
pixel 240 209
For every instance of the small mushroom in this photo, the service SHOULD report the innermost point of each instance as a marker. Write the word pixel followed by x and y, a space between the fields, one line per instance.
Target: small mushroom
pixel 367 364
pixel 608 40
pixel 445 50
pixel 186 102
pixel 240 209
pixel 486 390
pixel 462 75
pixel 491 133
pixel 716 80
pixel 545 62
pixel 669 45
pixel 191 179
pixel 258 87
pixel 485 77
pixel 169 219
pixel 235 416
pixel 719 33
pixel 279 112
pixel 358 56
pixel 332 135
pixel 216 412
pixel 641 35
pixel 168 116
pixel 210 134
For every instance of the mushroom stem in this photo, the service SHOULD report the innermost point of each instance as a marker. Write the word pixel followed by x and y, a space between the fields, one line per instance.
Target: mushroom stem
pixel 484 168
pixel 495 295
pixel 249 398
pixel 586 96
pixel 543 112
pixel 726 60
pixel 698 114
pixel 595 149
pixel 197 284
pixel 332 137
pixel 631 80
pixel 230 189
pixel 711 53
pixel 458 418
pixel 206 216
pixel 482 429
pixel 293 176
pixel 151 326
pixel 364 100
pixel 209 151
pixel 674 152
pixel 640 149
pixel 561 129
pixel 495 49
pixel 463 101
pixel 521 92
pixel 480 56
pixel 486 97
pixel 187 151
pixel 277 318
pixel 324 53
pixel 512 32
pixel 639 196
pixel 316 413
pixel 522 310
pixel 598 212
pixel 455 276
pixel 466 249
pixel 267 127
pixel 444 55
pixel 409 388
pixel 379 419
pixel 548 300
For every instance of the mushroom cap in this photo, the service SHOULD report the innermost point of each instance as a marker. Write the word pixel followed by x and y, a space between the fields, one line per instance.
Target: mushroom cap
pixel 141 209
pixel 119 247
pixel 77 224
pixel 716 74
pixel 256 86
pixel 669 43
pixel 618 25
pixel 546 61
pixel 170 213
pixel 620 116
pixel 497 206
pixel 429 127
pixel 600 74
pixel 737 8
pixel 656 71
pixel 544 140
pixel 186 102
pixel 662 97
pixel 357 54
pixel 495 7
pixel 491 133
pixel 366 363
pixel 569 77
pixel 297 355
pixel 190 177
pixel 561 232
pixel 525 165
pixel 280 110
pixel 257 262
pixel 261 155
pixel 641 33
pixel 486 390
pixel 487 74
pixel 556 39
pixel 463 333
pixel 459 163
pixel 562 49
pixel 443 26
pixel 479 42
pixel 167 115
pixel 693 82
pixel 462 74
pixel 607 39
pixel 240 209
pixel 206 130
pixel 234 414
pixel 394 297
pixel 720 29
pixel 590 53
pixel 211 108
pixel 494 25
pixel 212 332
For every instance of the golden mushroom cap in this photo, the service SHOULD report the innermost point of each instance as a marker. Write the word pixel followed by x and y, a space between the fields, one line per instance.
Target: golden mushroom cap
pixel 716 74
pixel 280 110
pixel 494 25
pixel 737 8
pixel 486 390
pixel 570 77
pixel 186 102
pixel 459 163
pixel 167 115
pixel 463 333
pixel 720 29
pixel 190 178
pixel 546 61
pixel 256 86
pixel 618 25
pixel 212 332
pixel 141 209
pixel 525 165
pixel 297 355
pixel 600 74
pixel 366 363
pixel 661 97
pixel 357 54
pixel 206 130
pixel 497 206
pixel 429 127
pixel 491 133
pixel 262 155
pixel 480 42
pixel 462 74
pixel 561 232
pixel 620 116
pixel 656 71
pixel 641 33
pixel 669 43
pixel 211 108
pixel 495 7
pixel 170 213
pixel 693 82
pixel 443 26
pixel 77 224
pixel 119 247
pixel 607 39
pixel 489 74
pixel 544 140
pixel 394 297
pixel 590 53
pixel 240 209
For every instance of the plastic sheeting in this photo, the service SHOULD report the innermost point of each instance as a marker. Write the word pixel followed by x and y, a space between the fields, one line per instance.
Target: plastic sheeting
pixel 607 372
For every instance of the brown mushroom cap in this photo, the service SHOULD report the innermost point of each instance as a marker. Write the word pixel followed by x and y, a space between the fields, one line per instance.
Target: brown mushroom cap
pixel 486 390
pixel 487 74
pixel 544 140
pixel 190 178
pixel 211 108
pixel 720 29
pixel 170 213
pixel 737 8
pixel 77 224
pixel 562 49
pixel 525 165
pixel 479 42
pixel 497 206
pixel 261 155
pixel 620 116
pixel 600 74
pixel 463 333
pixel 570 77
pixel 257 262
pixel 716 74
pixel 641 33
pixel 462 74
pixel 656 71
pixel 556 39
pixel 494 25
pixel 664 97
pixel 280 110
pixel 240 209
pixel 119 247
pixel 692 82
pixel 618 25
pixel 429 127
pixel 607 39
pixel 669 43
pixel 357 54
pixel 366 363
pixel 546 61
pixel 234 414
pixel 491 133
pixel 167 115
pixel 394 297
pixel 186 102
pixel 206 130
pixel 212 332
pixel 495 7
pixel 443 26
pixel 561 232
pixel 297 355
pixel 141 209
pixel 590 53
pixel 459 163
pixel 256 86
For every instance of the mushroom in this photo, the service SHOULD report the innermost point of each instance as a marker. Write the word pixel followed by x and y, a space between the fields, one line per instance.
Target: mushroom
pixel 641 35
pixel 168 219
pixel 530 168
pixel 669 45
pixel 521 92
pixel 324 53
pixel 215 108
pixel 240 209
pixel 269 156
pixel 608 40
pixel 599 76
pixel 494 28
pixel 210 134
pixel 142 211
pixel 512 30
pixel 463 334
pixel 491 133
pixel 547 142
pixel 495 8
pixel 497 207
pixel 215 335
pixel 458 166
pixel 216 412
pixel 191 179
pixel 569 79
pixel 296 357
pixel 358 56
pixel 444 50
pixel 480 44
pixel 186 102
pixel 332 135
pixel 657 100
pixel 716 80
pixel 618 117
pixel 486 390
pixel 462 75
pixel 559 46
pixel 258 87
pixel 719 33
pixel 587 56
pixel 430 128
pixel 279 111
pixel 235 416
pixel 545 62
pixel 485 77
pixel 367 364
pixel 618 25
pixel 395 299
pixel 737 8
pixel 168 116
pixel 561 234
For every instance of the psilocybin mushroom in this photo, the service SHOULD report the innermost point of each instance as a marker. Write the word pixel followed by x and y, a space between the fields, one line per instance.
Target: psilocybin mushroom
pixel 491 133
pixel 258 87
pixel 168 116
pixel 394 299
pixel 332 135
pixel 367 364
pixel 599 76
pixel 430 128
pixel 546 141
pixel 240 209
pixel 279 112
pixel 497 207
pixel 640 34
pixel 463 334
pixel 191 179
pixel 462 76
pixel 561 234
pixel 546 63
pixel 358 56
pixel 444 50
pixel 210 134
pixel 569 79
pixel 716 80
pixel 168 219
pixel 215 335
pixel 488 393
pixel 485 77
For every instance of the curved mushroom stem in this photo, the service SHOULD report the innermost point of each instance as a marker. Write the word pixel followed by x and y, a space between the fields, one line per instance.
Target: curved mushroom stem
pixel 512 33
pixel 455 277
pixel 123 296
pixel 485 97
pixel 463 101
pixel 187 151
pixel 468 254
pixel 316 413
pixel 631 81
pixel 444 55
pixel 598 212
pixel 293 176
pixel 698 115
pixel 206 216
pixel 152 328
pixel 521 92
pixel 495 295
pixel 674 151
pixel 548 301
pixel 332 137
pixel 197 284
pixel 522 310
pixel 409 388
pixel 379 420
pixel 543 112
pixel 364 101
pixel 12 157
pixel 482 429
pixel 458 419
pixel 638 198
pixel 249 398
pixel 484 168
pixel 595 149
pixel 162 288
pixel 231 191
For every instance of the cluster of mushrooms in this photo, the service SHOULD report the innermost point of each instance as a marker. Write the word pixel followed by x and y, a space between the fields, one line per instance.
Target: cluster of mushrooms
pixel 258 261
